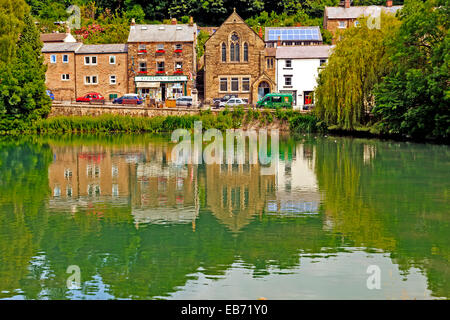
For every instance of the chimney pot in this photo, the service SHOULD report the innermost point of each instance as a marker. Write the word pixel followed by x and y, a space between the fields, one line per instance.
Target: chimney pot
pixel 133 22
pixel 174 20
pixel 388 3
pixel 279 41
pixel 191 21
pixel 346 3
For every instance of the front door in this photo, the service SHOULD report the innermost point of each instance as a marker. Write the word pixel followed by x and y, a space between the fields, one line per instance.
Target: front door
pixel 163 91
pixel 263 89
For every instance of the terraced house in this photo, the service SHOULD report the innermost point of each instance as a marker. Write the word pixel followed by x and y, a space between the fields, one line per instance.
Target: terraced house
pixel 162 59
pixel 237 62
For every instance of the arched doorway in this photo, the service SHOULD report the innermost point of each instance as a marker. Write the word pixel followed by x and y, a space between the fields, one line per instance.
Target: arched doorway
pixel 263 89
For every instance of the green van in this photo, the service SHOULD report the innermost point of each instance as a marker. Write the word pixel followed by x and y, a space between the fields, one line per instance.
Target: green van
pixel 275 100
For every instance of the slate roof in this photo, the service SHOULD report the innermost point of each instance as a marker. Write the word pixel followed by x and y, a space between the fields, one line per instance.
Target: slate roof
pixel 103 48
pixel 303 52
pixel 355 12
pixel 162 33
pixel 53 37
pixel 61 46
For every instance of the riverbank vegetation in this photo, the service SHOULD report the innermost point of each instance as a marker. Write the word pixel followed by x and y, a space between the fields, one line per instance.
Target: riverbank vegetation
pixel 391 80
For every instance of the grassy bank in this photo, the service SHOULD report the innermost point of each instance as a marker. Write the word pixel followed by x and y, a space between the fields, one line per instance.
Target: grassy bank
pixel 226 119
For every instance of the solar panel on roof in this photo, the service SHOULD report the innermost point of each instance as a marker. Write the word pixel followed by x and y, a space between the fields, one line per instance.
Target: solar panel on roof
pixel 293 34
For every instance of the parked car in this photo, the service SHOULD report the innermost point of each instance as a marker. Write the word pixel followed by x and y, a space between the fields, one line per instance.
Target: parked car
pixel 50 94
pixel 92 97
pixel 225 98
pixel 233 102
pixel 130 98
pixel 184 101
pixel 275 100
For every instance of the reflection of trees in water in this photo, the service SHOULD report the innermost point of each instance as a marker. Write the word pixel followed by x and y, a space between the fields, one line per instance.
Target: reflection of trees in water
pixel 390 196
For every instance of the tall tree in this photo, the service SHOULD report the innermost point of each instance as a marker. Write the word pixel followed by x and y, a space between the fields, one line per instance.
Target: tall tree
pixel 22 81
pixel 414 98
pixel 344 95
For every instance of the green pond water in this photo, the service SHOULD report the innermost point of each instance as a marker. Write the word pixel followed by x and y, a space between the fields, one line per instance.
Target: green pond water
pixel 140 227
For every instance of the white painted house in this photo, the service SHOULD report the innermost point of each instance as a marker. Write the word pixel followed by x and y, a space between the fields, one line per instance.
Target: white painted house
pixel 297 69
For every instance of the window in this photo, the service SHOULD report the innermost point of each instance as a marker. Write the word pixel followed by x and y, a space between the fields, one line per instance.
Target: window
pixel 65 58
pixel 245 84
pixel 114 171
pixel 67 173
pixel 234 84
pixel 90 80
pixel 115 190
pixel 270 63
pixel 57 191
pixel 246 52
pixel 308 97
pixel 142 48
pixel 178 66
pixel 178 46
pixel 112 59
pixel 90 60
pixel 160 66
pixel 112 79
pixel 224 52
pixel 323 61
pixel 69 191
pixel 234 48
pixel 356 23
pixel 160 46
pixel 288 80
pixel 53 58
pixel 223 84
pixel 65 77
pixel 142 66
pixel 342 24
pixel 288 64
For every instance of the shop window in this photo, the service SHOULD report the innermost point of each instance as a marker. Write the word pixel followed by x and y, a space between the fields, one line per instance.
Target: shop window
pixel 234 84
pixel 308 97
pixel 245 84
pixel 223 84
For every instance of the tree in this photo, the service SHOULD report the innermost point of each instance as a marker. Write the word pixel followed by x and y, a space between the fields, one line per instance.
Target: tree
pixel 344 95
pixel 413 99
pixel 22 86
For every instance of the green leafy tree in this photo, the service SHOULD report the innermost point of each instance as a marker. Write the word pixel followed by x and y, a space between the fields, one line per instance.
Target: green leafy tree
pixel 414 98
pixel 22 82
pixel 344 95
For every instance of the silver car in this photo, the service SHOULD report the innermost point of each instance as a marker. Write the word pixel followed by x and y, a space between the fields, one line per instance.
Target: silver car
pixel 233 102
pixel 184 101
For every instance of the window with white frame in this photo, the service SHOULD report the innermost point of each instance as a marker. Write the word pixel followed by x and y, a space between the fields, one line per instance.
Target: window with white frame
pixel 323 61
pixel 142 66
pixel 53 58
pixel 356 23
pixel 178 65
pixel 90 80
pixel 112 79
pixel 65 77
pixel 223 84
pixel 112 59
pixel 65 58
pixel 178 46
pixel 245 84
pixel 160 66
pixel 342 24
pixel 288 80
pixel 160 46
pixel 234 84
pixel 90 60
pixel 288 64
pixel 142 47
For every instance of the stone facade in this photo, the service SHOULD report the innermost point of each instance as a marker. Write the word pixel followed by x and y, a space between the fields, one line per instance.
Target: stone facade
pixel 246 76
pixel 111 78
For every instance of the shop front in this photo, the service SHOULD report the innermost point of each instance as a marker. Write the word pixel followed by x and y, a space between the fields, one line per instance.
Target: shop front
pixel 161 88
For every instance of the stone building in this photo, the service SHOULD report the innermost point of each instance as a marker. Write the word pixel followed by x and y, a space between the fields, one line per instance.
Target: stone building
pixel 102 68
pixel 345 16
pixel 235 62
pixel 60 75
pixel 162 59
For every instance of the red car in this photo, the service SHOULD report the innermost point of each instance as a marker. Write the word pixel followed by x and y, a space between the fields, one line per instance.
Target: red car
pixel 92 97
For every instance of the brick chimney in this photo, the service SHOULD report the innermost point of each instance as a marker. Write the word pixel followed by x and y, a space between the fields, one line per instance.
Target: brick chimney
pixel 279 41
pixel 388 3
pixel 260 33
pixel 346 3
pixel 174 21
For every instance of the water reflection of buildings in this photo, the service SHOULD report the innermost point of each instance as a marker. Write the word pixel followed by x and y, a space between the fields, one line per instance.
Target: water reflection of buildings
pixel 155 191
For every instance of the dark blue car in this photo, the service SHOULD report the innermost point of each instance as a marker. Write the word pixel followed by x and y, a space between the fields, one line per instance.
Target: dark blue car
pixel 129 99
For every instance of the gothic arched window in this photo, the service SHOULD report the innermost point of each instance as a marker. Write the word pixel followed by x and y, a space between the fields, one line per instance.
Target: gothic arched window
pixel 234 47
pixel 245 52
pixel 224 52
